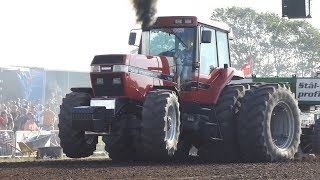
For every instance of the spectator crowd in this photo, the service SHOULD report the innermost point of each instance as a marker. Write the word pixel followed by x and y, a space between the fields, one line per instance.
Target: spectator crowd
pixel 22 115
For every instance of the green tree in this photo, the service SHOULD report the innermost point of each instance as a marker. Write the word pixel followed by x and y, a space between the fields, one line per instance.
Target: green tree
pixel 161 42
pixel 243 22
pixel 275 46
pixel 308 48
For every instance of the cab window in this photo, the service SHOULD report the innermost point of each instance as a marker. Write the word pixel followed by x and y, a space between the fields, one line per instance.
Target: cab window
pixel 208 54
pixel 223 49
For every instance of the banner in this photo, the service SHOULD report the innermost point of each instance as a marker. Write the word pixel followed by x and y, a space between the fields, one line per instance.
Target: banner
pixel 308 89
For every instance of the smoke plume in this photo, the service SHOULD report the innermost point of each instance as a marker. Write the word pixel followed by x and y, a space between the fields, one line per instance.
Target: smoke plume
pixel 145 11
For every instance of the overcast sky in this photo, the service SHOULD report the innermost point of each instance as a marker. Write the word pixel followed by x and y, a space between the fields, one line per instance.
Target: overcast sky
pixel 66 34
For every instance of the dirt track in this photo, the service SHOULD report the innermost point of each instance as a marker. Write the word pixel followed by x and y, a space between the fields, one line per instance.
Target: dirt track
pixel 106 169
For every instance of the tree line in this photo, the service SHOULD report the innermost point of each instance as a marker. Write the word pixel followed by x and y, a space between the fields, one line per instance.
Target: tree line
pixel 274 45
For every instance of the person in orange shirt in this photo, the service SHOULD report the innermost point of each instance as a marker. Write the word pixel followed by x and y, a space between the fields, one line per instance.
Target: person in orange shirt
pixel 48 119
pixel 30 125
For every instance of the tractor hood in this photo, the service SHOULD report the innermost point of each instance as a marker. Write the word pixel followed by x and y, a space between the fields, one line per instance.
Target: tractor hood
pixel 155 66
pixel 109 59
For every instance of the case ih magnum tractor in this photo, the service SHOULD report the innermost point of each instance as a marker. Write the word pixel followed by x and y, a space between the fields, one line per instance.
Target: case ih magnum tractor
pixel 175 94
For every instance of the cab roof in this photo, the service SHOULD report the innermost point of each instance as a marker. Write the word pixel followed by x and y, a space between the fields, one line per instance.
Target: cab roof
pixel 188 21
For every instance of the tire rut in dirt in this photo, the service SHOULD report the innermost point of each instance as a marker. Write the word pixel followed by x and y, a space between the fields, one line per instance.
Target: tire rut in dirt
pixel 265 110
pixel 75 143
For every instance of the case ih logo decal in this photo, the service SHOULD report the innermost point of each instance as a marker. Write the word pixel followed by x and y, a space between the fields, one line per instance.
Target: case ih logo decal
pixel 106 68
pixel 145 72
pixel 308 89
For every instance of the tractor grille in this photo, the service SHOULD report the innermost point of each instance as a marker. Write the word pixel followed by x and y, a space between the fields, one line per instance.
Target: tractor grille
pixel 104 84
pixel 107 59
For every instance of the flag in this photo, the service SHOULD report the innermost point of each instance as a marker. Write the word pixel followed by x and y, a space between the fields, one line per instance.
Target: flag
pixel 246 69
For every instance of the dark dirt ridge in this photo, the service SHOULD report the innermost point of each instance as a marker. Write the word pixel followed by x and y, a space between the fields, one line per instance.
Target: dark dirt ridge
pixel 106 169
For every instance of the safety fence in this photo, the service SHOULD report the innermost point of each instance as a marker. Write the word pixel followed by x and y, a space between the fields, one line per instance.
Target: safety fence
pixel 6 143
pixel 25 143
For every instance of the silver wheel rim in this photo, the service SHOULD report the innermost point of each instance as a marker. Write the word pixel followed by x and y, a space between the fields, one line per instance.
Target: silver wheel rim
pixel 171 129
pixel 281 125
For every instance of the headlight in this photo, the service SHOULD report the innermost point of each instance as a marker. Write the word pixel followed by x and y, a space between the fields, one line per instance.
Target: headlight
pixel 95 68
pixel 116 81
pixel 120 68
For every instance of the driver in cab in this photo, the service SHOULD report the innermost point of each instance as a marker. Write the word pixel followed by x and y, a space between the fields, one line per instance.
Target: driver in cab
pixel 185 59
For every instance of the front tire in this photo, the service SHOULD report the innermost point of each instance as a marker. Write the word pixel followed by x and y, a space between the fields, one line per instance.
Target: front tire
pixel 121 144
pixel 160 125
pixel 75 143
pixel 269 125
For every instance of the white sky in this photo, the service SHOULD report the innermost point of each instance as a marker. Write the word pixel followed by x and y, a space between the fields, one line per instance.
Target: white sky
pixel 66 34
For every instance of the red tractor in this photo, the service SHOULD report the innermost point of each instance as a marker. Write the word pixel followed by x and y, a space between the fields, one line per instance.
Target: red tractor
pixel 176 94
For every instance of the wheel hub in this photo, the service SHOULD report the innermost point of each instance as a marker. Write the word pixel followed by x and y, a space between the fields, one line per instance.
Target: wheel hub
pixel 171 130
pixel 281 126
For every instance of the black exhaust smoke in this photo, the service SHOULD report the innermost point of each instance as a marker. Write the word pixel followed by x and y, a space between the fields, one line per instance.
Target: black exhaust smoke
pixel 145 11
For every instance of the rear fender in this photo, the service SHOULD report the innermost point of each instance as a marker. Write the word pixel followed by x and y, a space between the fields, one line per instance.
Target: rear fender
pixel 217 86
pixel 208 90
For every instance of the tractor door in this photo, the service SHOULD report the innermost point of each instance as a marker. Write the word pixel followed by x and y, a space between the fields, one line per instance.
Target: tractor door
pixel 214 73
pixel 214 58
pixel 213 54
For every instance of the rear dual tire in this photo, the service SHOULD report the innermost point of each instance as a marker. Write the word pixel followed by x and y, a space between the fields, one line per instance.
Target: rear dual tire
pixel 316 137
pixel 226 112
pixel 269 126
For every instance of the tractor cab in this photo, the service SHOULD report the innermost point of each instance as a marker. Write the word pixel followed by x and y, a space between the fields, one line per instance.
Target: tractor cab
pixel 198 47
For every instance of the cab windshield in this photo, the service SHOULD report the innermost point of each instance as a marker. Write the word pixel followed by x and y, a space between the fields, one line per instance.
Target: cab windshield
pixel 174 42
pixel 168 41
